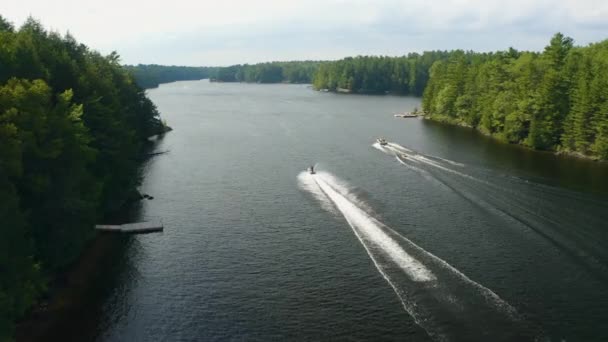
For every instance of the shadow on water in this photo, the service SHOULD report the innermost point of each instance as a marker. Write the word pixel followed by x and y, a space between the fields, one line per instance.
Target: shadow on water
pixel 110 269
pixel 74 309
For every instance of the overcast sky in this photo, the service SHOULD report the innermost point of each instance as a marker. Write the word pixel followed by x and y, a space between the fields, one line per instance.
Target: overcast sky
pixel 224 32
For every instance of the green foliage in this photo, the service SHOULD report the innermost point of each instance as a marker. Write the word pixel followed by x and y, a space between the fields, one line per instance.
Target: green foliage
pixel 20 277
pixel 556 100
pixel 151 75
pixel 5 25
pixel 72 126
pixel 274 72
pixel 379 75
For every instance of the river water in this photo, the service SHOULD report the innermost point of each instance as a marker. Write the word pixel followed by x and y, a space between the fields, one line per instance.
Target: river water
pixel 441 235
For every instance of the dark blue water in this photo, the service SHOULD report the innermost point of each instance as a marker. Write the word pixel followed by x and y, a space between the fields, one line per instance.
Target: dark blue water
pixel 442 235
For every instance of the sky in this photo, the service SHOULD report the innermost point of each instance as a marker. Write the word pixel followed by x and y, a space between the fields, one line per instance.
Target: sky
pixel 226 32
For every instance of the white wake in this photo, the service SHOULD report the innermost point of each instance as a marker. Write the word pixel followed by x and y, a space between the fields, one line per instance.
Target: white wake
pixel 371 235
pixel 441 299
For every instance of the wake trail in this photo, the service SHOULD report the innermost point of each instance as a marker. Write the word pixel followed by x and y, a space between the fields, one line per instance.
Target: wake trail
pixel 520 203
pixel 403 149
pixel 373 238
pixel 442 300
pixel 422 172
pixel 308 184
pixel 380 148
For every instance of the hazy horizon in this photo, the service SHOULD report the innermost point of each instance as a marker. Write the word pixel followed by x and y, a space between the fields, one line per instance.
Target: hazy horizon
pixel 238 32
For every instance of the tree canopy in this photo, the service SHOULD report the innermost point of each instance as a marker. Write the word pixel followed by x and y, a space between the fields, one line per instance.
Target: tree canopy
pixel 72 126
pixel 554 100
pixel 406 75
pixel 151 75
pixel 273 72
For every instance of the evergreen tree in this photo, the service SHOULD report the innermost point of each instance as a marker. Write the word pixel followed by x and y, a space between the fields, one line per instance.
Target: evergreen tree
pixel 73 124
pixel 555 100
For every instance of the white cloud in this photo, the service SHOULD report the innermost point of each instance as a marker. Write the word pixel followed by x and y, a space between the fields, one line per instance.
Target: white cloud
pixel 232 31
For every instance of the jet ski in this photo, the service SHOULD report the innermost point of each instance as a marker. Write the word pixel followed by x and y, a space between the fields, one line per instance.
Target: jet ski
pixel 311 170
pixel 382 141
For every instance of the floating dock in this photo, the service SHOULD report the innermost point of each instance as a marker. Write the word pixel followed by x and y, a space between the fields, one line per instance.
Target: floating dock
pixel 406 115
pixel 131 228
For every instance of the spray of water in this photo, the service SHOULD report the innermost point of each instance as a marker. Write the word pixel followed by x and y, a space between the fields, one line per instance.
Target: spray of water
pixel 370 233
pixel 442 300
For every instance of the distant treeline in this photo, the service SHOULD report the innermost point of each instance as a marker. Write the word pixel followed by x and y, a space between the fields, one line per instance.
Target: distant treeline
pixel 554 100
pixel 73 124
pixel 273 72
pixel 151 75
pixel 407 75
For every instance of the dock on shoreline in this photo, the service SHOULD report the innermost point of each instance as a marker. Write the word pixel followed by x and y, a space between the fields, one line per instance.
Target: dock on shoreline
pixel 406 115
pixel 132 228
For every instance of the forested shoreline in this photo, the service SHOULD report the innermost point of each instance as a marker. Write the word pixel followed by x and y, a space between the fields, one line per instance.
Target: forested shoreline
pixel 406 75
pixel 272 72
pixel 151 75
pixel 73 125
pixel 556 100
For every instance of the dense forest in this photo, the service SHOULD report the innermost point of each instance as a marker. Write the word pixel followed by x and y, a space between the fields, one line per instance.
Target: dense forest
pixel 73 124
pixel 405 75
pixel 273 72
pixel 151 75
pixel 554 100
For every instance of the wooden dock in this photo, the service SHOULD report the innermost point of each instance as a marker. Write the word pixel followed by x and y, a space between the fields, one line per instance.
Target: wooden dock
pixel 406 115
pixel 131 228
